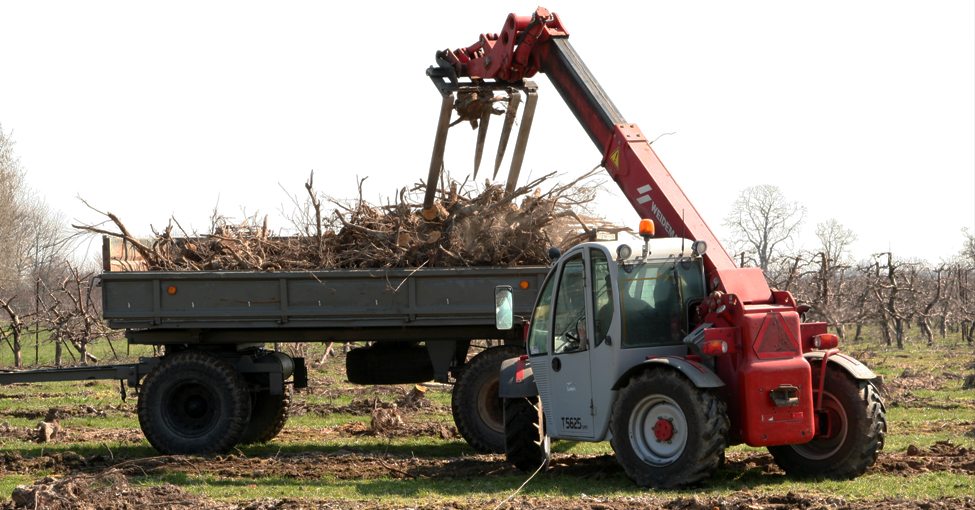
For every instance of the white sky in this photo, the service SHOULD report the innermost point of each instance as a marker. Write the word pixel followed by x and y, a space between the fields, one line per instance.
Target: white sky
pixel 861 111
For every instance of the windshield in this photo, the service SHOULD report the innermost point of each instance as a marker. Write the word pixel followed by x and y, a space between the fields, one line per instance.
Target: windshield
pixel 654 297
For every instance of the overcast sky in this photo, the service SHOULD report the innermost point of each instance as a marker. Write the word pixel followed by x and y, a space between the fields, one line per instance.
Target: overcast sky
pixel 861 111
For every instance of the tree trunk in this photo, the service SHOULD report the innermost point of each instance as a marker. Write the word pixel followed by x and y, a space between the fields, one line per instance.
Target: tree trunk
pixel 57 350
pixel 859 333
pixel 899 323
pixel 18 361
pixel 926 329
pixel 885 328
pixel 841 332
pixel 971 334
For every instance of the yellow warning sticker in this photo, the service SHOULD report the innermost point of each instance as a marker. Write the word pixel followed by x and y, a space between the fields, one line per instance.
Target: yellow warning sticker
pixel 615 158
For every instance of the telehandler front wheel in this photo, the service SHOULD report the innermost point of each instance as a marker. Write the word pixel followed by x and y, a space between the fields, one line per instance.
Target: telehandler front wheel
pixel 850 430
pixel 475 403
pixel 666 431
pixel 194 403
pixel 525 443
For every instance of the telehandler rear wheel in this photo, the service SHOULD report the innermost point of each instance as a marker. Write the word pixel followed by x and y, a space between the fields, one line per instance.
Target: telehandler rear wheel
pixel 475 403
pixel 850 435
pixel 269 413
pixel 525 442
pixel 666 431
pixel 194 403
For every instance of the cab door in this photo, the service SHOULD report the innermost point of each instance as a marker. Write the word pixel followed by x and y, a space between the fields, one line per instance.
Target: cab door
pixel 570 343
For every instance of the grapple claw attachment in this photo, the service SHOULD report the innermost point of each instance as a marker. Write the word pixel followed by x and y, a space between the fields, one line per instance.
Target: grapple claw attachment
pixel 474 102
pixel 509 121
pixel 481 136
pixel 522 143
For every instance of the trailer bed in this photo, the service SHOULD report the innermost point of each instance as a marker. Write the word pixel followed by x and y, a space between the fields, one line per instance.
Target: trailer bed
pixel 366 298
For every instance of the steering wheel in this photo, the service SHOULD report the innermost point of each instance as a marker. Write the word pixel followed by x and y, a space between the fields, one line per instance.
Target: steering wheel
pixel 575 340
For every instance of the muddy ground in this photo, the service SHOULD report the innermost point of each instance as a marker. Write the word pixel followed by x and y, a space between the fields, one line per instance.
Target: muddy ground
pixel 100 481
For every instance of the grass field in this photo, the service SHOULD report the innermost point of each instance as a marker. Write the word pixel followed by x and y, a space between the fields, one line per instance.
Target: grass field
pixel 327 453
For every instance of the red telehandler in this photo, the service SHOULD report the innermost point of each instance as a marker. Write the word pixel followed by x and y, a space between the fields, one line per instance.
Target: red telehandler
pixel 668 350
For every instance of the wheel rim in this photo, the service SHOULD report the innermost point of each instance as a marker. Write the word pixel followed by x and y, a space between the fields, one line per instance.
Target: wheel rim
pixel 824 447
pixel 658 430
pixel 489 405
pixel 191 408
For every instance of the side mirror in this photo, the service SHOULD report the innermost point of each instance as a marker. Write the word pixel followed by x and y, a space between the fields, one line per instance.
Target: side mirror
pixel 504 306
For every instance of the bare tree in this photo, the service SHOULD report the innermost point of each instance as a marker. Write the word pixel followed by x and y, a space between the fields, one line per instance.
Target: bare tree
pixel 73 315
pixel 11 191
pixel 968 246
pixel 964 287
pixel 835 241
pixel 833 297
pixel 763 222
pixel 894 284
pixel 932 290
pixel 14 330
pixel 32 235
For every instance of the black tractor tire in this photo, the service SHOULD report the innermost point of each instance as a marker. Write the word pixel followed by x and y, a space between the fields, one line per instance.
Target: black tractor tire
pixel 269 413
pixel 859 431
pixel 525 443
pixel 475 404
pixel 194 403
pixel 666 431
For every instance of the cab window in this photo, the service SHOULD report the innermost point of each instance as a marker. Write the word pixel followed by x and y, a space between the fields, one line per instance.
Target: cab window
pixel 602 294
pixel 569 329
pixel 538 331
pixel 651 308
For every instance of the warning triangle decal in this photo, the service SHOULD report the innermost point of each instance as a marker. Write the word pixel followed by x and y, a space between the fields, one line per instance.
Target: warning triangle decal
pixel 774 339
pixel 615 158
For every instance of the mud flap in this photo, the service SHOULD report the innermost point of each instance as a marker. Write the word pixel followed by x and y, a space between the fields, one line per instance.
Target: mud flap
pixel 517 379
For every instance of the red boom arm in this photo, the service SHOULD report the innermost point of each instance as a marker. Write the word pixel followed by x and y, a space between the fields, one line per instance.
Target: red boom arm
pixel 527 45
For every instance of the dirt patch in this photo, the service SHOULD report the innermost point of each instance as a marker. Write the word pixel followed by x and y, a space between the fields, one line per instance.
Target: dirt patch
pixel 105 491
pixel 736 502
pixel 111 491
pixel 77 411
pixel 908 399
pixel 61 463
pixel 942 457
pixel 366 406
pixel 109 488
pixel 90 435
pixel 357 464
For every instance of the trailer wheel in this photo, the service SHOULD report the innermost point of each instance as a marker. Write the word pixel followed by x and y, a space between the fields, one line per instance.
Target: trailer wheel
pixel 475 403
pixel 269 413
pixel 850 430
pixel 525 443
pixel 666 431
pixel 194 403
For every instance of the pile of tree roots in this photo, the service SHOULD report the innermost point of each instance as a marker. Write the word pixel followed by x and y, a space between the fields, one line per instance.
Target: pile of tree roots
pixel 475 226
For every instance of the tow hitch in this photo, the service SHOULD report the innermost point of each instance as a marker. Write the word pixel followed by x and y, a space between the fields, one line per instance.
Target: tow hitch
pixel 785 395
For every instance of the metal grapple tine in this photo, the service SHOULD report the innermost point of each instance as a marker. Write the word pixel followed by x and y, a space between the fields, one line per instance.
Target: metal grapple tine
pixel 509 120
pixel 526 126
pixel 436 160
pixel 481 135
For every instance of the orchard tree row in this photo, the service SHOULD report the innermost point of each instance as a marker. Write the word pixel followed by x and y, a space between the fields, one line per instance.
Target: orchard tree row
pixel 892 292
